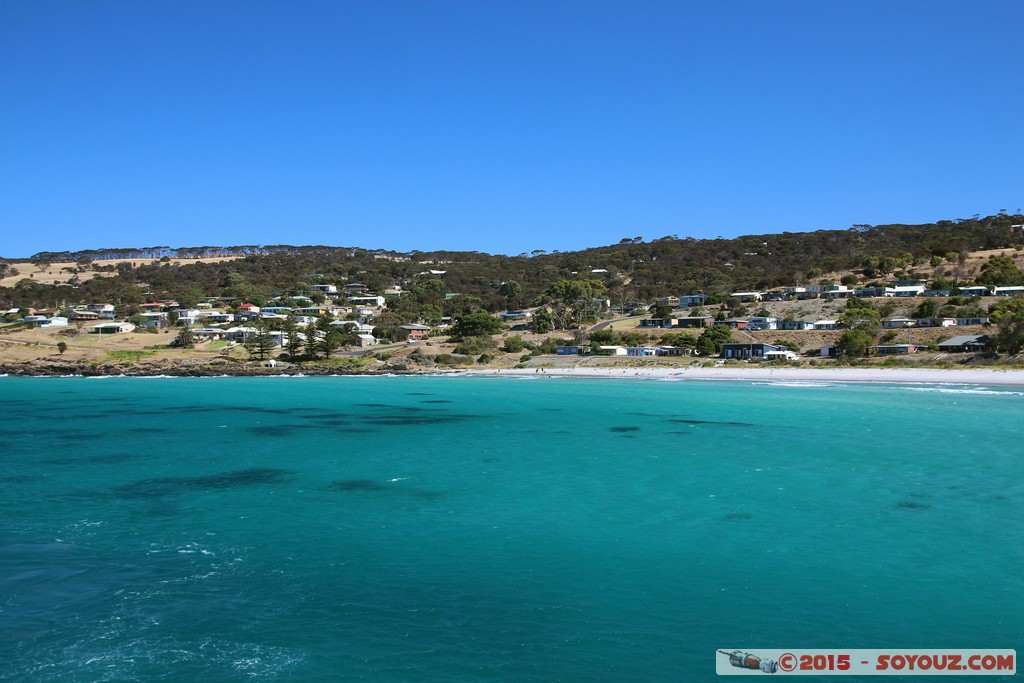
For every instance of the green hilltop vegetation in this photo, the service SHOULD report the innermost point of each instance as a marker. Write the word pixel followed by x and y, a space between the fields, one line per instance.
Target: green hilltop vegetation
pixel 632 270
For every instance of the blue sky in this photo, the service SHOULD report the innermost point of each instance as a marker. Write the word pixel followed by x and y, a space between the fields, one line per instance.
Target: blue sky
pixel 499 127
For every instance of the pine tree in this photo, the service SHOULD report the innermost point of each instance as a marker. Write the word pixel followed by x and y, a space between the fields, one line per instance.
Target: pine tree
pixel 295 342
pixel 261 343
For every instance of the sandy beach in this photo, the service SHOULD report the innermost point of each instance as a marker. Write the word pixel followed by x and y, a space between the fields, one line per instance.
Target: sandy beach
pixel 882 375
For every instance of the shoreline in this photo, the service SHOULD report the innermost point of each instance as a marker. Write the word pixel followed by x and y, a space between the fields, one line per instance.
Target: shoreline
pixel 974 376
pixel 1013 378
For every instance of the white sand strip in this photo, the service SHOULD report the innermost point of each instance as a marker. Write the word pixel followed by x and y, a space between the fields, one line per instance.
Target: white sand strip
pixel 889 375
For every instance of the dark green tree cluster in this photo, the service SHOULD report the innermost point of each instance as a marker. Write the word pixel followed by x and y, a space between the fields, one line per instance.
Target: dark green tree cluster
pixel 1009 317
pixel 568 284
pixel 713 340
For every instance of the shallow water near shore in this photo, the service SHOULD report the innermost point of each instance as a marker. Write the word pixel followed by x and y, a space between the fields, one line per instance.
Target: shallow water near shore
pixel 497 528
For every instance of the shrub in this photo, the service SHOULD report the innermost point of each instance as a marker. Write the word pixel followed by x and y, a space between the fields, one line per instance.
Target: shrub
pixel 472 346
pixel 514 344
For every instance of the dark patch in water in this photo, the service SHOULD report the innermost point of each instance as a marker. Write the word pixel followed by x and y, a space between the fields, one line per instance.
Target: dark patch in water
pixel 165 486
pixel 410 420
pixel 278 430
pixel 237 409
pixel 20 479
pixel 149 430
pixel 106 459
pixel 620 430
pixel 736 516
pixel 329 416
pixel 162 509
pixel 356 485
pixel 385 406
pixel 418 393
pixel 72 436
pixel 913 505
pixel 681 433
pixel 714 422
pixel 436 400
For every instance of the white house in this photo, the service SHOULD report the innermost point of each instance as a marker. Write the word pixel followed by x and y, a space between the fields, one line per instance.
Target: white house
pixel 762 323
pixel 747 296
pixel 208 333
pixel 906 291
pixel 329 290
pixel 188 316
pixel 376 301
pixel 936 322
pixel 239 333
pixel 112 328
pixel 782 354
pixel 1008 291
pixel 897 323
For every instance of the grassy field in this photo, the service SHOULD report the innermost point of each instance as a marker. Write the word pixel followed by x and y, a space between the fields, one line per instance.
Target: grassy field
pixel 64 272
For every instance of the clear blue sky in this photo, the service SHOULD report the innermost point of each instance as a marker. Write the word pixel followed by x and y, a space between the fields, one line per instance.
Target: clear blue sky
pixel 499 127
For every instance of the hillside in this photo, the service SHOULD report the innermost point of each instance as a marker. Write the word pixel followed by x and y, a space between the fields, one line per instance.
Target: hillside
pixel 633 270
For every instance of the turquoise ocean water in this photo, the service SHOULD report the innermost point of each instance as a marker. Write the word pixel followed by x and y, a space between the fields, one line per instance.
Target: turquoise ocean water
pixel 491 528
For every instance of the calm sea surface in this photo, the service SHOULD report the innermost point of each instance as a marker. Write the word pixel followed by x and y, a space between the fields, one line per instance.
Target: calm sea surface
pixel 494 529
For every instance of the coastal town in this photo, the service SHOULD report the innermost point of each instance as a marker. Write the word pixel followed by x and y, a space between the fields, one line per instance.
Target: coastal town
pixel 347 326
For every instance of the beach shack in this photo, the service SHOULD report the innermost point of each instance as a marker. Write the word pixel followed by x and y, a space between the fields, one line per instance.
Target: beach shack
pixel 416 332
pixel 966 343
pixel 892 350
pixel 748 350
